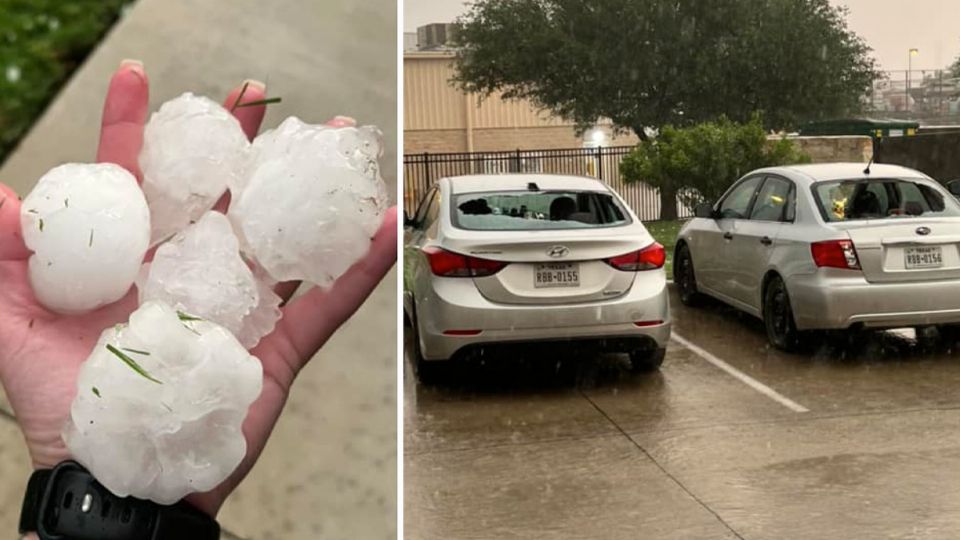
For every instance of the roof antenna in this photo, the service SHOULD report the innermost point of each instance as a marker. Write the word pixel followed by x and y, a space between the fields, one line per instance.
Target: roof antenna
pixel 877 142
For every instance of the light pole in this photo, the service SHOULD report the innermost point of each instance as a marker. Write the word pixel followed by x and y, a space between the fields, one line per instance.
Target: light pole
pixel 910 55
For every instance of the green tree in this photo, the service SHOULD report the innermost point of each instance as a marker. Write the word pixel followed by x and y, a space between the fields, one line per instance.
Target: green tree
pixel 700 162
pixel 644 64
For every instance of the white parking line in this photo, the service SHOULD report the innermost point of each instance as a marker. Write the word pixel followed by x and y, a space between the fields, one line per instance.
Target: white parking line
pixel 741 376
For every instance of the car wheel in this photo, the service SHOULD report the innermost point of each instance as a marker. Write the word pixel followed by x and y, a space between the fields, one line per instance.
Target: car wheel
pixel 685 278
pixel 644 361
pixel 778 317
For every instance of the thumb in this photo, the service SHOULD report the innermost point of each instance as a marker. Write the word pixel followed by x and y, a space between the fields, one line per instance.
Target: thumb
pixel 12 247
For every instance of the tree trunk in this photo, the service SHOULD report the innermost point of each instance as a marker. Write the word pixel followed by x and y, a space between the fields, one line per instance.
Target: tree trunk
pixel 668 197
pixel 668 204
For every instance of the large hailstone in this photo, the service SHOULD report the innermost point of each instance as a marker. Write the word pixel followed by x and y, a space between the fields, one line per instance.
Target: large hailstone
pixel 160 403
pixel 88 226
pixel 310 199
pixel 200 271
pixel 192 149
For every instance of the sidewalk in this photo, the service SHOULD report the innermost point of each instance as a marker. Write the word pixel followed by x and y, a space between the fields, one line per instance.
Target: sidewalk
pixel 330 468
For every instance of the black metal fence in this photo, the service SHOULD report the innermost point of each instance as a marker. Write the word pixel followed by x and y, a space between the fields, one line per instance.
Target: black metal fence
pixel 420 171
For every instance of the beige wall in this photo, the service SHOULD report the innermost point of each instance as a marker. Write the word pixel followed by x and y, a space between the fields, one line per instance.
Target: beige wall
pixel 836 149
pixel 438 117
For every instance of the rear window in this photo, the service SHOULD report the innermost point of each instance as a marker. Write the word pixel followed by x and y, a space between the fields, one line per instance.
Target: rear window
pixel 537 210
pixel 891 198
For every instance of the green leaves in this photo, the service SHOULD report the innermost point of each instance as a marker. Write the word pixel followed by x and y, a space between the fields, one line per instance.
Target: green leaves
pixel 649 63
pixel 131 363
pixel 187 317
pixel 700 162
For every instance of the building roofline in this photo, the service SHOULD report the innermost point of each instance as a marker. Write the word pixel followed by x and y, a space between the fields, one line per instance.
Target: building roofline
pixel 429 54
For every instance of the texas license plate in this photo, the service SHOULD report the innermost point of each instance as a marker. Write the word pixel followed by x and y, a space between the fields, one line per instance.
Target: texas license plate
pixel 556 275
pixel 923 257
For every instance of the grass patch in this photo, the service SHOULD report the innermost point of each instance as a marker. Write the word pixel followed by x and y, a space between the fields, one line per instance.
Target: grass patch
pixel 665 232
pixel 41 43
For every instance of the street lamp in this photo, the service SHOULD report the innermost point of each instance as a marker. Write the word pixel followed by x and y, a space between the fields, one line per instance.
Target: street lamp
pixel 910 55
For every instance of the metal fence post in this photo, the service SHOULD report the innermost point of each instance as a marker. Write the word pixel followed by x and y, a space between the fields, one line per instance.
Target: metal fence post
pixel 516 167
pixel 426 171
pixel 600 162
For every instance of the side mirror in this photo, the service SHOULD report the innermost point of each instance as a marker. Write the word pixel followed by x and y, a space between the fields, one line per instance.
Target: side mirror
pixel 704 210
pixel 953 186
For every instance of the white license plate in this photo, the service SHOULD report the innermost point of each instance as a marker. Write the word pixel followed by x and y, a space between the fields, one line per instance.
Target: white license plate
pixel 556 275
pixel 923 257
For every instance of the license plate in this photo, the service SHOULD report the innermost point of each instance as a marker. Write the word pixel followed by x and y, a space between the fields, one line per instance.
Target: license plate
pixel 923 257
pixel 556 275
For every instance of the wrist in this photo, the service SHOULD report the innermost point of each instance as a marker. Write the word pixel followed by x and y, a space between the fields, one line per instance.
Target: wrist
pixel 68 502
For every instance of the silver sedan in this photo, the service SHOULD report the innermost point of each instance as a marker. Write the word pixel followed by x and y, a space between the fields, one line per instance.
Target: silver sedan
pixel 532 259
pixel 829 246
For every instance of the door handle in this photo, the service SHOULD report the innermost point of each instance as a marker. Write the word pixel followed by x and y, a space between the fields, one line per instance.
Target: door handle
pixel 766 241
pixel 728 236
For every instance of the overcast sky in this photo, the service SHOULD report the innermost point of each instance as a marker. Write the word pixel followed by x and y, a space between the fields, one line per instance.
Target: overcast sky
pixel 890 27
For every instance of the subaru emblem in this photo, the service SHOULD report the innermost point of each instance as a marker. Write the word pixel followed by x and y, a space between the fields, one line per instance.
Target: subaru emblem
pixel 923 231
pixel 558 251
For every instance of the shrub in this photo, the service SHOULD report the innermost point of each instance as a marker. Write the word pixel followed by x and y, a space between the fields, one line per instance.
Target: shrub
pixel 700 162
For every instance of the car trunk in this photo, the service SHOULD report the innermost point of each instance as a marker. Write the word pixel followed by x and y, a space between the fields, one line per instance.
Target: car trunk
pixel 894 251
pixel 552 267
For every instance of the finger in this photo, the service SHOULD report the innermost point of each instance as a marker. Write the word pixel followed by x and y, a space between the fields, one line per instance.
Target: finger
pixel 342 121
pixel 312 318
pixel 124 115
pixel 250 117
pixel 12 247
pixel 286 289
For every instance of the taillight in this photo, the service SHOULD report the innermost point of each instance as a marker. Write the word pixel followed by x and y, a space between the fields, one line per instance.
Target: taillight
pixel 648 258
pixel 448 264
pixel 835 254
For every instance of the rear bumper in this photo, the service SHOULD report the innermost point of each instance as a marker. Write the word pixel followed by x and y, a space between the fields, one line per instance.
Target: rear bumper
pixel 456 304
pixel 834 300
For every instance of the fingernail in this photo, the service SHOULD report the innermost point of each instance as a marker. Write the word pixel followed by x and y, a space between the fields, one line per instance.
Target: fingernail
pixel 131 63
pixel 255 83
pixel 348 120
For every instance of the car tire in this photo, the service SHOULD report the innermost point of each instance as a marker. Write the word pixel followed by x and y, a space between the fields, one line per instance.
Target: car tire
pixel 778 316
pixel 685 278
pixel 646 360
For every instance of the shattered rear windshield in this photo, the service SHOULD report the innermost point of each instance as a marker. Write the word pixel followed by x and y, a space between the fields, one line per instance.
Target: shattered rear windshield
pixel 535 210
pixel 888 198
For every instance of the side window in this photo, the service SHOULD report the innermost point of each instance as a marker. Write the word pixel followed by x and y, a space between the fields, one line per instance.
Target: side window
pixel 424 206
pixel 773 199
pixel 736 204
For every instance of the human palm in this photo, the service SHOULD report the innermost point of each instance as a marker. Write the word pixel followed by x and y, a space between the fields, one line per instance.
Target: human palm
pixel 41 351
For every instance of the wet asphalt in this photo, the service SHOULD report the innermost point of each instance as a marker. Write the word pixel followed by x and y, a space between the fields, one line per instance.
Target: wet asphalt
pixel 580 447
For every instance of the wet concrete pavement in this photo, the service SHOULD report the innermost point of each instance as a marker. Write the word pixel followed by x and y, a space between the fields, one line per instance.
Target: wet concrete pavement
pixel 582 448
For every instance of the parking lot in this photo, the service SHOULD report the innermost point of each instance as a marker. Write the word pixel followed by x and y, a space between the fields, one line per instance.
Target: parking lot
pixel 731 439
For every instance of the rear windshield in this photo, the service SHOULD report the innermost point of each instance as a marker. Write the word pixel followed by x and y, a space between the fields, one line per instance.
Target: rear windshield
pixel 890 198
pixel 535 210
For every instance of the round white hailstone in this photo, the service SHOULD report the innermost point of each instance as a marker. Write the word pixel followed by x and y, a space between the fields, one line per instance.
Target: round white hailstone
pixel 192 149
pixel 310 199
pixel 160 403
pixel 88 226
pixel 200 271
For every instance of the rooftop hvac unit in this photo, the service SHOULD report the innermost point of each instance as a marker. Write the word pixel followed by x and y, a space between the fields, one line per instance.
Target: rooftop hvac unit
pixel 435 36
